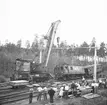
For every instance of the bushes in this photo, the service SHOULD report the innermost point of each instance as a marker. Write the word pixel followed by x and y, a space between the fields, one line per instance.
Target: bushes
pixel 2 79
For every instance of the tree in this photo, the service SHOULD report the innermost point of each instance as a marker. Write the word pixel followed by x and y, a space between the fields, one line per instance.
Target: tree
pixel 84 50
pixel 63 45
pixel 19 43
pixel 35 44
pixel 6 41
pixel 92 45
pixel 10 48
pixel 69 52
pixel 41 43
pixel 27 44
pixel 45 37
pixel 102 50
pixel 5 65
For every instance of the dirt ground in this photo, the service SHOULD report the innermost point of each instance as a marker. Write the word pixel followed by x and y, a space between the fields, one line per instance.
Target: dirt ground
pixel 102 100
pixel 72 101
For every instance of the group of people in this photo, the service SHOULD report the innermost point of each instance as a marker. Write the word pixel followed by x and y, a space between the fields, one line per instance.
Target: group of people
pixel 51 92
pixel 43 92
pixel 63 90
pixel 67 90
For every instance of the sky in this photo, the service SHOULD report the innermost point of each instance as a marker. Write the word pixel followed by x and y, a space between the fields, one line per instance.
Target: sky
pixel 81 20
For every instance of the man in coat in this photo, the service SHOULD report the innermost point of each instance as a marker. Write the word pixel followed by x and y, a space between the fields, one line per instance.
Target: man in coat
pixel 51 93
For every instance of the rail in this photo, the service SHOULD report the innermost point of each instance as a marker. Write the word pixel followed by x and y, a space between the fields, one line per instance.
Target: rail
pixel 4 84
pixel 18 96
pixel 15 97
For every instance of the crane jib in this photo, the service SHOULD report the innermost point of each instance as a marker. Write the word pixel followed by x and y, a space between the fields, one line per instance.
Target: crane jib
pixel 51 39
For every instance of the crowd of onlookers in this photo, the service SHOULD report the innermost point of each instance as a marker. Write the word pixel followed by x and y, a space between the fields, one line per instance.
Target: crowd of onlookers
pixel 63 90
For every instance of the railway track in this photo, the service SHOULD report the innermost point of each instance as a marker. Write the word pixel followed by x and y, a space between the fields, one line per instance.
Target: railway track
pixel 9 95
pixel 12 94
pixel 16 97
pixel 4 91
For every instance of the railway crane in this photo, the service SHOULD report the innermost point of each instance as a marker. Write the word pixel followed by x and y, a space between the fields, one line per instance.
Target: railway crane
pixel 27 70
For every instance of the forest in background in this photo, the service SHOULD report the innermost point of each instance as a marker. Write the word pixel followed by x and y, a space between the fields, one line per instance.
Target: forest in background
pixel 65 53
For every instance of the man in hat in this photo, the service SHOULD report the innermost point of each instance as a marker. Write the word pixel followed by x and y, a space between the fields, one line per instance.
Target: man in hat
pixel 51 93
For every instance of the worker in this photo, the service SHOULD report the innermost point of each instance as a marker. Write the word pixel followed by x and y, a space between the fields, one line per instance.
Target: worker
pixel 94 86
pixel 61 92
pixel 83 79
pixel 30 95
pixel 45 89
pixel 73 86
pixel 40 90
pixel 51 93
pixel 56 91
pixel 78 85
pixel 66 90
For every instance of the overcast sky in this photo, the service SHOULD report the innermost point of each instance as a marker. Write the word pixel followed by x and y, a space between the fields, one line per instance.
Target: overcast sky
pixel 81 20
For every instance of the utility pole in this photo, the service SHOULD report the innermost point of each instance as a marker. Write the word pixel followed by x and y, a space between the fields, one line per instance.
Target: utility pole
pixel 95 62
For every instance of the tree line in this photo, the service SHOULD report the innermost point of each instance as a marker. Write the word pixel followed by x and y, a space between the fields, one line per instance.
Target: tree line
pixel 10 51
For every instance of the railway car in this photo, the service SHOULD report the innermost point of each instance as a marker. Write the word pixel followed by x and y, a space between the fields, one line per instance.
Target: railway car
pixel 19 83
pixel 68 72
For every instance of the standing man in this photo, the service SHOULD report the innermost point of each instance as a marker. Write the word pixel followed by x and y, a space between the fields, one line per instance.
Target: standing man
pixel 73 86
pixel 45 89
pixel 66 91
pixel 40 90
pixel 94 86
pixel 30 95
pixel 51 93
pixel 83 79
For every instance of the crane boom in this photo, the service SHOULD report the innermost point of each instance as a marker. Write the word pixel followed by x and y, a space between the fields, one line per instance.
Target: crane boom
pixel 52 33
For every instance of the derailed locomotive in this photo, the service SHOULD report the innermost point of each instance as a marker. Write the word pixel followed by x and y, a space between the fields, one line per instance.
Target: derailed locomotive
pixel 68 72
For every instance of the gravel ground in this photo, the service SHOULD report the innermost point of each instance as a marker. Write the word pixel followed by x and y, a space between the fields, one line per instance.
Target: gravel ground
pixel 71 101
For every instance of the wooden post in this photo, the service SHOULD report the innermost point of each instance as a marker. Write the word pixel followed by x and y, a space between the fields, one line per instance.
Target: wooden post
pixel 95 64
